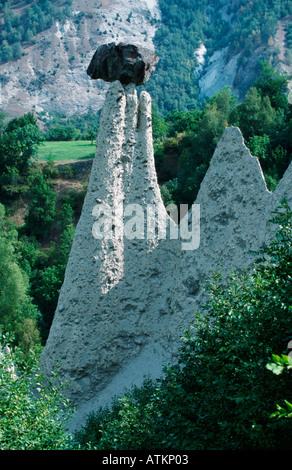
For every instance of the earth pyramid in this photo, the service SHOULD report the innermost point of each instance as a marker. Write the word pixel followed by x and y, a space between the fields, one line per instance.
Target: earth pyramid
pixel 134 277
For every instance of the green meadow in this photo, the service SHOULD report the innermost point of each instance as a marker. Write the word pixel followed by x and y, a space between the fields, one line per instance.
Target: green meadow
pixel 69 150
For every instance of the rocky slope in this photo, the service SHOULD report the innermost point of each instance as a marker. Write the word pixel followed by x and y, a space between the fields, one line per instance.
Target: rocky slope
pixel 51 76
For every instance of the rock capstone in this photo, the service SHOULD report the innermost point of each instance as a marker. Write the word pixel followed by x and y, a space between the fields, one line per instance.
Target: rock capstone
pixel 127 63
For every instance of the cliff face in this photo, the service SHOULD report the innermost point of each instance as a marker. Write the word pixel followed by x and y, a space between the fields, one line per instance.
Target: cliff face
pixel 134 278
pixel 238 71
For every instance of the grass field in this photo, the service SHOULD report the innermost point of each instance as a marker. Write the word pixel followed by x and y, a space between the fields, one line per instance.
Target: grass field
pixel 71 150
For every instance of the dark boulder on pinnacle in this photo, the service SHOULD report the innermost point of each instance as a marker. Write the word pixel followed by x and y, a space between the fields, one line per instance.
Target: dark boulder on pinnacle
pixel 127 63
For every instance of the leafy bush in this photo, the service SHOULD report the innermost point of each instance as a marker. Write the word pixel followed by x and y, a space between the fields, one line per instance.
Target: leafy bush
pixel 48 280
pixel 42 208
pixel 277 366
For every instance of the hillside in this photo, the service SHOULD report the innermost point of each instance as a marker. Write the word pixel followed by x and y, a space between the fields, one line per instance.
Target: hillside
pixel 201 50
pixel 100 313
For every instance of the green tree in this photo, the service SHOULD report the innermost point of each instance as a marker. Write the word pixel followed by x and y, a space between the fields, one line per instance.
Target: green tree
pixel 197 148
pixel 259 146
pixel 62 133
pixel 6 52
pixel 21 121
pixel 183 122
pixel 17 50
pixel 42 208
pixel 49 280
pixel 3 116
pixel 159 126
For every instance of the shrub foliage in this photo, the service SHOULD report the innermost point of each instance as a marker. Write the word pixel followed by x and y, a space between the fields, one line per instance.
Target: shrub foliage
pixel 33 413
